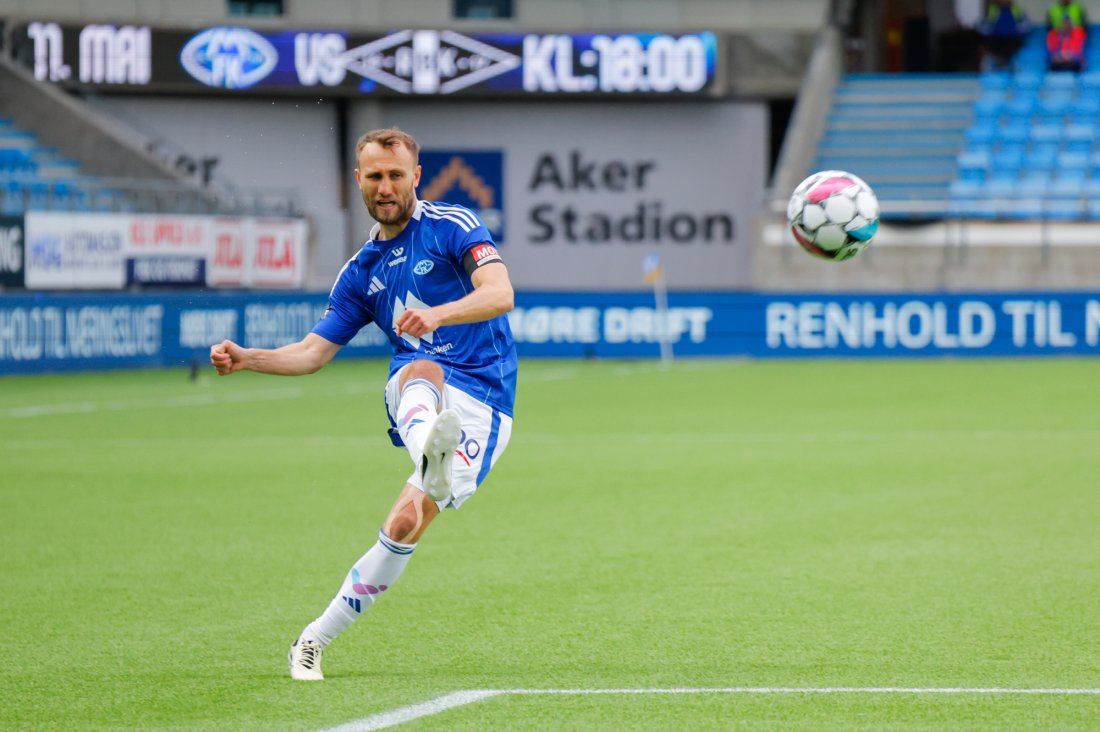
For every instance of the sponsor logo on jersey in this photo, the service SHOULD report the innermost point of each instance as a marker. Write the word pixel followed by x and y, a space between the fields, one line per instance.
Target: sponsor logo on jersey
pixel 485 253
pixel 376 286
pixel 229 58
pixel 395 262
pixel 397 251
pixel 428 61
pixel 470 178
pixel 423 267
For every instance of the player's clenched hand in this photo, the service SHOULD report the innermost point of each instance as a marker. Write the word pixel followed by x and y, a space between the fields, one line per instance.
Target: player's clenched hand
pixel 417 323
pixel 227 357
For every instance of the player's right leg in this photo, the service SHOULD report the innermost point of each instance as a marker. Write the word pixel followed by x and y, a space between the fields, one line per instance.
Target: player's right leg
pixel 374 574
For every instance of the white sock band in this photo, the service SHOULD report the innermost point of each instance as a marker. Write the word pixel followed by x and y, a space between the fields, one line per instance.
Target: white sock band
pixel 416 410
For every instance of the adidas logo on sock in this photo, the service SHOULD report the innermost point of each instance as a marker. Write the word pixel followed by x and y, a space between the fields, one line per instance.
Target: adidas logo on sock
pixel 355 603
pixel 376 285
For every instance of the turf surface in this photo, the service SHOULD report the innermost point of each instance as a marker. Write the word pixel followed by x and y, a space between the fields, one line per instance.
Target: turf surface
pixel 717 524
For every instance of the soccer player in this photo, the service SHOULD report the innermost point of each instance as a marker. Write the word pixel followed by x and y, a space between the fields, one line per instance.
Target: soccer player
pixel 432 279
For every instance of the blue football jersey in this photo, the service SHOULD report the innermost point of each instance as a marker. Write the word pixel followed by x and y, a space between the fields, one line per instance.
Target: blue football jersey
pixel 424 266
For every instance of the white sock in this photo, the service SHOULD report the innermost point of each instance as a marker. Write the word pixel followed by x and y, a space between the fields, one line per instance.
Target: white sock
pixel 416 411
pixel 372 575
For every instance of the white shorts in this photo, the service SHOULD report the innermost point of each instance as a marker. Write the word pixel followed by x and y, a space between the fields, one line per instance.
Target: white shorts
pixel 485 435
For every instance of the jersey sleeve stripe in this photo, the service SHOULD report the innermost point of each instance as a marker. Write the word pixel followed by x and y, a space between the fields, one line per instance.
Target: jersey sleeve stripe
pixel 459 211
pixel 464 213
pixel 455 219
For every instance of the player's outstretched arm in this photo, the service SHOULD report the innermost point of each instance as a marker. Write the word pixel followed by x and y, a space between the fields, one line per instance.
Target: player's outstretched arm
pixel 304 357
pixel 492 296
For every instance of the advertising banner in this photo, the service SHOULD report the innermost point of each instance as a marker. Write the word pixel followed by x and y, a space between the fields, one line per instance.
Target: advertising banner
pixel 582 193
pixel 236 59
pixel 69 251
pixel 110 251
pixel 81 332
pixel 11 251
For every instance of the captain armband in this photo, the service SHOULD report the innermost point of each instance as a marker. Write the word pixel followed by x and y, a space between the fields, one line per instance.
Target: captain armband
pixel 480 255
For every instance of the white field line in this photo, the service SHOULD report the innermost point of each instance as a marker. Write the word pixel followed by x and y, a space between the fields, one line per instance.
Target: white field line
pixel 232 397
pixel 394 717
pixel 416 711
pixel 182 400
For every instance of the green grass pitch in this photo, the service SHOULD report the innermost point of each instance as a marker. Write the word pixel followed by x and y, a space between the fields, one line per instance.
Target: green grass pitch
pixel 921 524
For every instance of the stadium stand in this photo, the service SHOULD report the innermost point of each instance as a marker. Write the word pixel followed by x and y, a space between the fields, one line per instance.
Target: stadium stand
pixel 57 152
pixel 902 134
pixel 1030 149
pixel 1000 145
pixel 36 177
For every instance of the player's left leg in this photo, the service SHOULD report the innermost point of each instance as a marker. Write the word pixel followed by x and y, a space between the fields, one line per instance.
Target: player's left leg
pixel 374 573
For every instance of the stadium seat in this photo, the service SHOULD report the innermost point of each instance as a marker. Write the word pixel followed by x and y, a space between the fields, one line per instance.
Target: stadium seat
pixel 1090 82
pixel 13 202
pixel 981 133
pixel 1035 182
pixel 1073 161
pixel 1080 136
pixel 1027 81
pixel 1020 108
pixel 1066 187
pixel 997 80
pixel 1055 107
pixel 1016 132
pixel 970 159
pixel 1046 133
pixel 1007 160
pixel 1065 209
pixel 1041 157
pixel 1060 80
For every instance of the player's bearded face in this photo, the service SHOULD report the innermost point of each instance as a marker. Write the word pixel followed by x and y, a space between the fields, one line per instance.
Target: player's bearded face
pixel 387 179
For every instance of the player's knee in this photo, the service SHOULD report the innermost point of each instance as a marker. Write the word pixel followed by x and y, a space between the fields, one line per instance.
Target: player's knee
pixel 422 368
pixel 407 523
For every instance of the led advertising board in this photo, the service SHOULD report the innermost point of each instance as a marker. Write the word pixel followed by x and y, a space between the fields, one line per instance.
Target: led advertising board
pixel 234 59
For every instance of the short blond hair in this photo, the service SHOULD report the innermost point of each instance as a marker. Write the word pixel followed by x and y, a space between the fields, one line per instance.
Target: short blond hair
pixel 389 137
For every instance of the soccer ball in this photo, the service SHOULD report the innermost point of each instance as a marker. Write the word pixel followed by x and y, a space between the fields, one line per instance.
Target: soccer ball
pixel 833 214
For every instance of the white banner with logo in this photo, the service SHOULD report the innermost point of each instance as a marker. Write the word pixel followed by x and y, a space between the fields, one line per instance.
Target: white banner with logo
pixel 108 251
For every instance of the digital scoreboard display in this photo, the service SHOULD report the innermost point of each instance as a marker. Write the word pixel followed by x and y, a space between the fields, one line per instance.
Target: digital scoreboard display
pixel 408 62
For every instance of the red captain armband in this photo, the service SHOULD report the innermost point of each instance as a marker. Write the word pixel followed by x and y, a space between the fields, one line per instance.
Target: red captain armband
pixel 479 255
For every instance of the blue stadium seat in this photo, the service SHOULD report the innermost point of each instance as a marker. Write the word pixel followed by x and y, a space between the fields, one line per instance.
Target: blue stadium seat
pixel 997 80
pixel 1007 160
pixel 1073 161
pixel 1065 209
pixel 974 158
pixel 1020 108
pixel 1054 107
pixel 1090 80
pixel 1001 190
pixel 12 203
pixel 1016 132
pixel 1066 187
pixel 1034 184
pixel 1060 80
pixel 38 196
pixel 964 190
pixel 1041 157
pixel 1046 133
pixel 1027 81
pixel 981 133
pixel 1079 138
